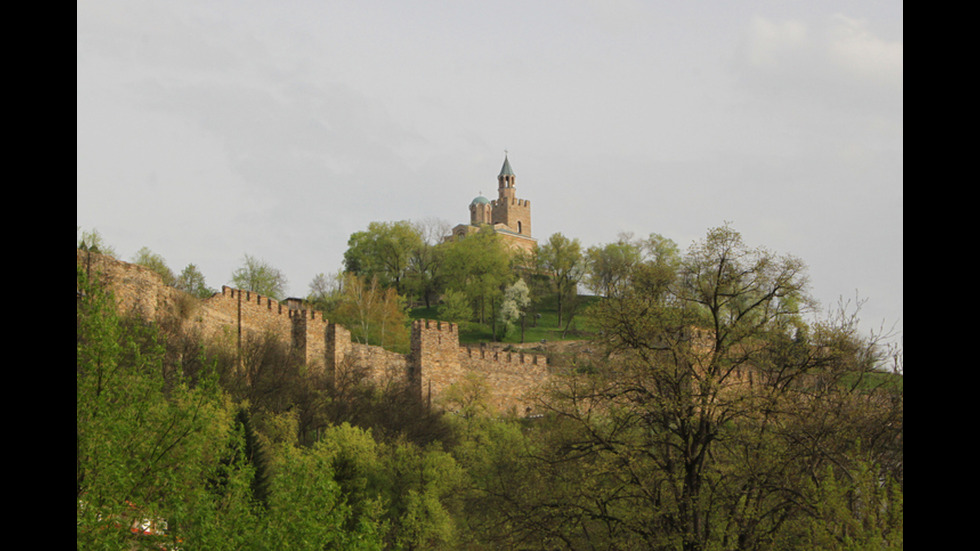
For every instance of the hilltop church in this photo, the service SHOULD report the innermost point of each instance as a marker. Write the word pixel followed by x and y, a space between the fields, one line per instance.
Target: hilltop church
pixel 507 216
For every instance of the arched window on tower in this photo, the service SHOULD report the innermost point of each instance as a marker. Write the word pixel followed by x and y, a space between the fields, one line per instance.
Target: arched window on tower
pixel 519 228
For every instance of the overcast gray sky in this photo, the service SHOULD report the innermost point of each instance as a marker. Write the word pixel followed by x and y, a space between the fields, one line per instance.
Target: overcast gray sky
pixel 211 129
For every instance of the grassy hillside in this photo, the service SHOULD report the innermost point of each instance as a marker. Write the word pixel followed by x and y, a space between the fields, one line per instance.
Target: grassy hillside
pixel 541 324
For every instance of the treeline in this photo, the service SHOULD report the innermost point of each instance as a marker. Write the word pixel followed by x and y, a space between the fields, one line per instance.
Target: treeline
pixel 661 444
pixel 189 444
pixel 477 279
pixel 393 267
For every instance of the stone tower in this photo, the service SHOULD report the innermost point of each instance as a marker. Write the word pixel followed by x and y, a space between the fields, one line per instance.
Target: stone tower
pixel 481 212
pixel 508 210
pixel 507 216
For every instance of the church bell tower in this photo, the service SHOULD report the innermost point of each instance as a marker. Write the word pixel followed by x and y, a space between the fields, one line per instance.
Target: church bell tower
pixel 508 210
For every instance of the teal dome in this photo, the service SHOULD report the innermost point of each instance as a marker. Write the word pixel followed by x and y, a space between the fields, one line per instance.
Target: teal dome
pixel 481 200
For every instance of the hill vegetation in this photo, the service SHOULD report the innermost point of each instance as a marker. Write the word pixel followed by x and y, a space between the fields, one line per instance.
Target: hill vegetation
pixel 708 410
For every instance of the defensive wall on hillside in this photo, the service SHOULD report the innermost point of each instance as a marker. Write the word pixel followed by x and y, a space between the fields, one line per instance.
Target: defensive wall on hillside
pixel 435 362
pixel 441 362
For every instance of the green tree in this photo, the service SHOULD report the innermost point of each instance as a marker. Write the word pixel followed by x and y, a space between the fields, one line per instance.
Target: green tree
pixel 146 257
pixel 690 436
pixel 144 442
pixel 225 512
pixel 374 314
pixel 258 276
pixel 860 508
pixel 562 258
pixel 192 282
pixel 507 501
pixel 383 252
pixel 478 266
pixel 454 307
pixel 351 491
pixel 325 291
pixel 468 397
pixel 661 250
pixel 609 266
pixel 307 507
pixel 422 481
pixel 423 276
pixel 94 242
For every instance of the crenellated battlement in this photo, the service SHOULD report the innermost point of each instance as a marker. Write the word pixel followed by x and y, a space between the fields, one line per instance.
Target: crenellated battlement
pixel 292 308
pixel 511 202
pixel 438 362
pixel 437 325
pixel 503 357
pixel 435 363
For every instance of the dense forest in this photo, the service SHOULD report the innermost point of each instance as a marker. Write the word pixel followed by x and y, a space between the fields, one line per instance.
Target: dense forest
pixel 715 410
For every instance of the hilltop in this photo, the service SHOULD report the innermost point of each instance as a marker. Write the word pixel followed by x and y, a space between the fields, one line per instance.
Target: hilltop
pixel 706 413
pixel 435 363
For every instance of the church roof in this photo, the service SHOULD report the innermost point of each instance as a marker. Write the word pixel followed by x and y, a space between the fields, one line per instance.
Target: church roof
pixel 480 200
pixel 506 170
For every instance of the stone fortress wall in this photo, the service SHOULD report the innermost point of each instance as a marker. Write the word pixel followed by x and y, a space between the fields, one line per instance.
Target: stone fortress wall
pixel 442 362
pixel 436 360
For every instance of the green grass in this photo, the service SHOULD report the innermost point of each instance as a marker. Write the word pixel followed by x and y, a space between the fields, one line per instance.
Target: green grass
pixel 878 379
pixel 536 328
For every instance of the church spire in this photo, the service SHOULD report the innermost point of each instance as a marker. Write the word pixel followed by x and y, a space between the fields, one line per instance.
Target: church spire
pixel 505 180
pixel 506 170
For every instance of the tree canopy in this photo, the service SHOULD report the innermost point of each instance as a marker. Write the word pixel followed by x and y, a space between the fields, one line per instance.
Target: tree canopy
pixel 191 281
pixel 259 276
pixel 383 252
pixel 562 259
pixel 708 388
pixel 146 257
pixel 718 411
pixel 479 267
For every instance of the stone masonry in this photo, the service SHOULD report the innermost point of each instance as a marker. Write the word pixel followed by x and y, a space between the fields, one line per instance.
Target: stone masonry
pixel 507 215
pixel 436 360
